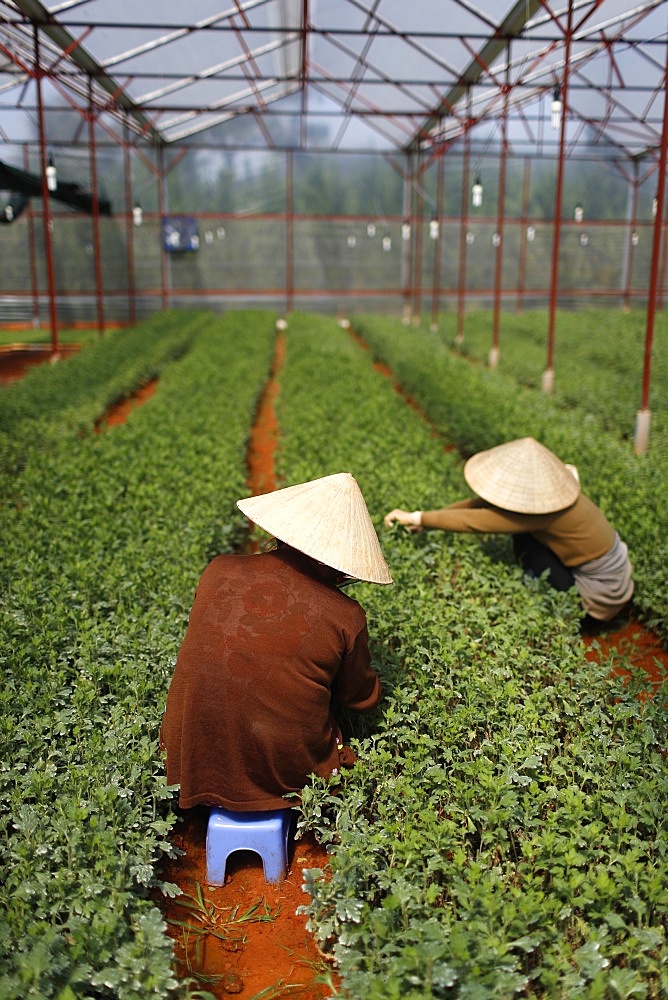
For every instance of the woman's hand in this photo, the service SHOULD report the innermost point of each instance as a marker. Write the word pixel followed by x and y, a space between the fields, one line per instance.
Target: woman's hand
pixel 412 520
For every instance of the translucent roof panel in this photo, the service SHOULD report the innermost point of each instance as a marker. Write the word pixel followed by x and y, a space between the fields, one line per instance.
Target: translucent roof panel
pixel 373 74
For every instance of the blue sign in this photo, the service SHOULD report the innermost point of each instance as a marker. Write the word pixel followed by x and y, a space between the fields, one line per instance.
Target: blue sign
pixel 179 234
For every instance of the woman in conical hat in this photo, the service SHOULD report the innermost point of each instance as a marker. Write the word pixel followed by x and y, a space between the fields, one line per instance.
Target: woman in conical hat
pixel 523 489
pixel 271 641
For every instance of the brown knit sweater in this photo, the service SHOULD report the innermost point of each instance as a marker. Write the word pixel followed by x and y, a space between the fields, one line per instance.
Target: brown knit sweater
pixel 576 535
pixel 248 713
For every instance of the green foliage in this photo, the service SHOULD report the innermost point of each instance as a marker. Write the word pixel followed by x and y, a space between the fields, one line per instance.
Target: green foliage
pixel 70 397
pixel 599 363
pixel 100 560
pixel 500 833
pixel 474 407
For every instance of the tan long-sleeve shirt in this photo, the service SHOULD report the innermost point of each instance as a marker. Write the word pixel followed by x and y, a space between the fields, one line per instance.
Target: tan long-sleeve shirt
pixel 576 535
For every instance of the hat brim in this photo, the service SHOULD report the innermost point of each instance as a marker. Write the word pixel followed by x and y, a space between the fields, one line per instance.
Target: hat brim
pixel 522 476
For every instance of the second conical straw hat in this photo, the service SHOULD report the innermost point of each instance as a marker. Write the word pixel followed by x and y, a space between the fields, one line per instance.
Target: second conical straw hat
pixel 522 476
pixel 328 520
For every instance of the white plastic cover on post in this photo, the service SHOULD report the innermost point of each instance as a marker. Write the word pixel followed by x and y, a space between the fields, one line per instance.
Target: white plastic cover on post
pixel 641 438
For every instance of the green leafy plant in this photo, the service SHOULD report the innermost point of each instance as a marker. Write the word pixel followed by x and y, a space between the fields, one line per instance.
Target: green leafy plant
pixel 100 560
pixel 502 830
pixel 508 793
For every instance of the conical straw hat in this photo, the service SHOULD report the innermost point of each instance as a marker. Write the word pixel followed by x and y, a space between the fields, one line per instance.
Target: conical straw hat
pixel 328 520
pixel 522 476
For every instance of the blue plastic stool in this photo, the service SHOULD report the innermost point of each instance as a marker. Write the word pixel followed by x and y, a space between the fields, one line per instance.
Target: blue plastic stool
pixel 265 833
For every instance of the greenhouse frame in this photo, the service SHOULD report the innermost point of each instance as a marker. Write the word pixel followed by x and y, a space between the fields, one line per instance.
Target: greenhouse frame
pixel 195 143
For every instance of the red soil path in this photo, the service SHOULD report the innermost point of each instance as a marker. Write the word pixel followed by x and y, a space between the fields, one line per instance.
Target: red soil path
pixel 271 954
pixel 276 953
pixel 264 435
pixel 638 646
pixel 119 413
pixel 15 359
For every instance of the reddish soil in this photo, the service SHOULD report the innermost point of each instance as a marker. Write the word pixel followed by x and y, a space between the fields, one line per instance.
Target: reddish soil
pixel 119 413
pixel 264 435
pixel 270 954
pixel 15 359
pixel 638 645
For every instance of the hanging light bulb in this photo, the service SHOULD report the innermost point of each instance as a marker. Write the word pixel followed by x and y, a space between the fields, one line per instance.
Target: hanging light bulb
pixel 387 243
pixel 556 107
pixel 9 213
pixel 655 205
pixel 434 228
pixel 578 215
pixel 351 241
pixel 406 231
pixel 531 233
pixel 371 229
pixel 137 214
pixel 476 193
pixel 51 177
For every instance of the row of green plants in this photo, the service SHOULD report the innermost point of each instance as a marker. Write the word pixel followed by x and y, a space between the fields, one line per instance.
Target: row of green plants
pixel 599 362
pixel 104 537
pixel 474 407
pixel 502 831
pixel 50 405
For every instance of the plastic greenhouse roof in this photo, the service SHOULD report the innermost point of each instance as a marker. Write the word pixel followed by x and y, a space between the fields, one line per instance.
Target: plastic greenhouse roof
pixel 386 75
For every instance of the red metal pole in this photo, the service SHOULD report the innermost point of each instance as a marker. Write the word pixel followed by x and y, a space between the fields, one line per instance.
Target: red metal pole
pixel 129 225
pixel 524 237
pixel 32 253
pixel 463 226
pixel 46 204
pixel 290 235
pixel 436 288
pixel 166 271
pixel 99 295
pixel 642 420
pixel 501 210
pixel 419 234
pixel 656 251
pixel 548 374
pixel 407 246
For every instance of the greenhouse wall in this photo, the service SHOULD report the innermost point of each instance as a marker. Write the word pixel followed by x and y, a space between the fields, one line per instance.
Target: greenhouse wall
pixel 327 264
pixel 337 233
